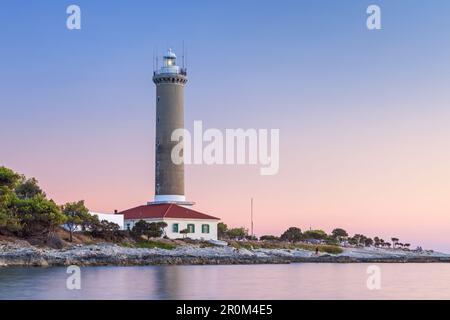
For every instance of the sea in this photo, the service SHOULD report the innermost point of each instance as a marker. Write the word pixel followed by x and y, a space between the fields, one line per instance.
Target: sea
pixel 266 282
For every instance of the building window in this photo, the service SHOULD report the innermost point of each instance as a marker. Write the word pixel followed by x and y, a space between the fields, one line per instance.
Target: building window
pixel 175 228
pixel 128 227
pixel 191 228
pixel 205 228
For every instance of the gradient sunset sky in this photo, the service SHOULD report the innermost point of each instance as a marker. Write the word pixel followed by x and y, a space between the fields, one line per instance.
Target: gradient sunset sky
pixel 364 116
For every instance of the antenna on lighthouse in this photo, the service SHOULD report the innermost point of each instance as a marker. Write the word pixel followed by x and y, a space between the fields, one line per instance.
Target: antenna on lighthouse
pixel 153 61
pixel 185 54
pixel 157 61
pixel 183 61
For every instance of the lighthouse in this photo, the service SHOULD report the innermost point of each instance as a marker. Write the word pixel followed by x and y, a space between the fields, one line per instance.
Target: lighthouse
pixel 170 205
pixel 170 80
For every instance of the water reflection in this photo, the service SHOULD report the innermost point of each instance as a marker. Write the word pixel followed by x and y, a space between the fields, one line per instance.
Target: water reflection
pixel 295 281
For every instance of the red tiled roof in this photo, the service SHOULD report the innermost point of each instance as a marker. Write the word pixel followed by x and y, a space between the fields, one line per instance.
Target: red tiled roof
pixel 155 211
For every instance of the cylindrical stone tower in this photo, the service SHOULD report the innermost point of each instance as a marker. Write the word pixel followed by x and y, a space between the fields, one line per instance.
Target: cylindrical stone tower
pixel 170 80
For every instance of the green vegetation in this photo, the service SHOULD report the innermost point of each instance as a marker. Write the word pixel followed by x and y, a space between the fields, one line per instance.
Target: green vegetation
pixel 150 230
pixel 294 238
pixel 151 244
pixel 24 208
pixel 251 245
pixel 237 233
pixel 28 189
pixel 26 212
pixel 315 235
pixel 77 215
pixel 292 234
pixel 269 238
pixel 222 229
pixel 109 231
pixel 322 248
pixel 339 234
pixel 245 245
pixel 231 234
pixel 184 232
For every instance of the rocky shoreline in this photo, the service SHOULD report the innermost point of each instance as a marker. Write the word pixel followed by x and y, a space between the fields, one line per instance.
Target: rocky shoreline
pixel 12 255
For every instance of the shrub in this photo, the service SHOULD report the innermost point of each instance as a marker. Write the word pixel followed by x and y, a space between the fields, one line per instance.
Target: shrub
pixel 315 234
pixel 269 238
pixel 151 244
pixel 293 234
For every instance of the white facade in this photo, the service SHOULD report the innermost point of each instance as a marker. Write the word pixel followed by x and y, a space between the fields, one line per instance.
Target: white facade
pixel 204 229
pixel 170 198
pixel 115 218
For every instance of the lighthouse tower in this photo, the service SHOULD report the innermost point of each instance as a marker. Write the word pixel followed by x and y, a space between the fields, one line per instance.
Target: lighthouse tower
pixel 170 80
pixel 170 205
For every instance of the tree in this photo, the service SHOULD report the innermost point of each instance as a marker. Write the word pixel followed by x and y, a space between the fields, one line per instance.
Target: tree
pixel 376 241
pixel 237 233
pixel 9 221
pixel 353 241
pixel 24 207
pixel 150 230
pixel 184 232
pixel 293 234
pixel 269 238
pixel 394 242
pixel 140 228
pixel 77 215
pixel 368 242
pixel 339 234
pixel 39 215
pixel 156 230
pixel 28 189
pixel 8 178
pixel 105 229
pixel 222 229
pixel 362 240
pixel 315 234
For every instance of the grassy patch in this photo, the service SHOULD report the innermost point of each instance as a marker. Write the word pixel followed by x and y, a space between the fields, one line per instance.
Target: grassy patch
pixel 244 245
pixel 249 245
pixel 322 248
pixel 205 244
pixel 151 244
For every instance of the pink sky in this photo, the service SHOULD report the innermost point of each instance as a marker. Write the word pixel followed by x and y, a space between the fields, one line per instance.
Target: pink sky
pixel 380 178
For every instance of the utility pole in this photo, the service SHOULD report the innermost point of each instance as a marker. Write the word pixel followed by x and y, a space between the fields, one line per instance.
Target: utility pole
pixel 251 210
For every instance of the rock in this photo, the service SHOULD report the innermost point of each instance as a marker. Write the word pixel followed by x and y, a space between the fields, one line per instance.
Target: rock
pixel 55 242
pixel 12 254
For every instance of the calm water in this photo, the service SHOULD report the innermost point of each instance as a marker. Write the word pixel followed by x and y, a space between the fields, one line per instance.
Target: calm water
pixel 295 281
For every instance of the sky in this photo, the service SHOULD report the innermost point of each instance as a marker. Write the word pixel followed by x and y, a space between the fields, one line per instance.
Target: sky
pixel 363 115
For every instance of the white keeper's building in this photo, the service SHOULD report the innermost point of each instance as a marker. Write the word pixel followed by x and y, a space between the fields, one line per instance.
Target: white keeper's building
pixel 200 226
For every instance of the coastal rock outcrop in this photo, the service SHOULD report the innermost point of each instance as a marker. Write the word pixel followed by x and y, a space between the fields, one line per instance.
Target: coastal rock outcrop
pixel 110 254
